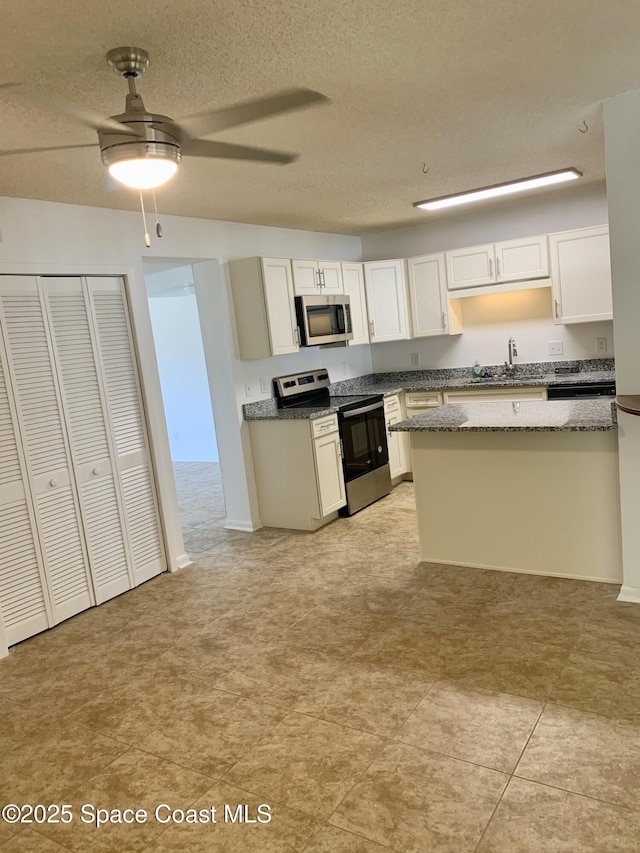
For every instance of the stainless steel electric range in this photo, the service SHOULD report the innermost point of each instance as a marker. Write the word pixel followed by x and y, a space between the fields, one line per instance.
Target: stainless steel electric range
pixel 365 455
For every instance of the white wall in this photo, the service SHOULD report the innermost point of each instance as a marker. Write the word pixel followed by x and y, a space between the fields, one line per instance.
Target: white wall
pixel 183 374
pixel 489 321
pixel 43 237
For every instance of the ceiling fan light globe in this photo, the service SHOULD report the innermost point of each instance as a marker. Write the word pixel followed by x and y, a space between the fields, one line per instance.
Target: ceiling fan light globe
pixel 143 173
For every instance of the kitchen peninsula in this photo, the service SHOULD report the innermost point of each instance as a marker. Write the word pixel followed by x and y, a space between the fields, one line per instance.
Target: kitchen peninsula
pixel 527 487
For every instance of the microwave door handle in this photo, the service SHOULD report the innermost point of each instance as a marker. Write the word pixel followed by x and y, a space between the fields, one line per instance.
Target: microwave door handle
pixel 353 413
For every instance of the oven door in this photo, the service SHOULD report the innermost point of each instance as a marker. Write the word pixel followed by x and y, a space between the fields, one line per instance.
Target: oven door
pixel 364 440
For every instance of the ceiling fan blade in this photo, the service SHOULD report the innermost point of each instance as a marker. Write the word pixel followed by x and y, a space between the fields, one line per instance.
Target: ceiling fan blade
pixel 214 121
pixel 47 148
pixel 89 118
pixel 228 151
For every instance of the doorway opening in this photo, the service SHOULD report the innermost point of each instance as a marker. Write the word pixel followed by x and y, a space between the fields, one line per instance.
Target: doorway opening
pixel 186 396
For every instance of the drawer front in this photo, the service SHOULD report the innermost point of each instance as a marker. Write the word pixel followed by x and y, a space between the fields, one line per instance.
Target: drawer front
pixel 391 404
pixel 422 400
pixel 505 395
pixel 323 426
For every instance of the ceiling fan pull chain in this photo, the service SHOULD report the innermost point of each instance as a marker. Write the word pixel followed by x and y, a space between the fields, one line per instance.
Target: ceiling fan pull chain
pixel 155 207
pixel 147 239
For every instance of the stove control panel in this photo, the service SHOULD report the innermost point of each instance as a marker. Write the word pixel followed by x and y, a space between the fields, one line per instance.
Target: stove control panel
pixel 298 383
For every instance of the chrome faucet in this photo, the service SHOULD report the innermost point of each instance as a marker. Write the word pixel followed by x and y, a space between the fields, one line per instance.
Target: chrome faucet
pixel 513 353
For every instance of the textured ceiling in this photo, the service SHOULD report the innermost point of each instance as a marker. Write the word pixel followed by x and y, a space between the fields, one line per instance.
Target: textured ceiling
pixel 482 92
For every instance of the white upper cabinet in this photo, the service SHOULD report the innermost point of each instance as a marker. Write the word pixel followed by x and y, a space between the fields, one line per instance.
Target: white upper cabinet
pixel 471 267
pixel 386 300
pixel 263 301
pixel 431 313
pixel 581 275
pixel 353 281
pixel 316 277
pixel 523 259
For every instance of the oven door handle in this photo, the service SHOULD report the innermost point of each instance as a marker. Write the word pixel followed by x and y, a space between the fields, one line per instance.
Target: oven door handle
pixel 353 413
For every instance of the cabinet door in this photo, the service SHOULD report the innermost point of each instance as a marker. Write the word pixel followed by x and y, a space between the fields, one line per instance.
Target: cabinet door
pixel 331 277
pixel 397 461
pixel 428 293
pixel 329 475
pixel 581 275
pixel 24 605
pixel 125 411
pixel 94 465
pixel 471 267
pixel 305 277
pixel 43 432
pixel 520 260
pixel 386 300
pixel 279 304
pixel 353 282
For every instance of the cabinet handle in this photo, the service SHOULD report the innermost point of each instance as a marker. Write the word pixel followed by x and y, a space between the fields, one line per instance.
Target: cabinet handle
pixel 555 302
pixel 322 281
pixel 498 266
pixel 371 328
pixel 490 267
pixel 296 334
pixel 444 323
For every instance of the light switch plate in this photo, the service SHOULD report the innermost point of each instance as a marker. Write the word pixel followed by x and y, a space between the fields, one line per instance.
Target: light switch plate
pixel 251 388
pixel 264 386
pixel 556 348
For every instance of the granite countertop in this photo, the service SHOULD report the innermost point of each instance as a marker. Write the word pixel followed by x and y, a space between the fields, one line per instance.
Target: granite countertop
pixel 387 384
pixel 528 416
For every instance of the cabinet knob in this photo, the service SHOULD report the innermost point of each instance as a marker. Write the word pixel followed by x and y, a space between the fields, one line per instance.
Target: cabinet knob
pixel 96 471
pixel 53 482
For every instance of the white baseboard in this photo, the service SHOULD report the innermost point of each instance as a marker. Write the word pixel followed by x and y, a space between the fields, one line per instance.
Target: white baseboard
pixel 523 572
pixel 244 526
pixel 630 593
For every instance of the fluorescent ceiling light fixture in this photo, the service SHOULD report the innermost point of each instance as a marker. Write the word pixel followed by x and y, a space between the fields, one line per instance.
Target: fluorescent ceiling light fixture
pixel 143 173
pixel 498 190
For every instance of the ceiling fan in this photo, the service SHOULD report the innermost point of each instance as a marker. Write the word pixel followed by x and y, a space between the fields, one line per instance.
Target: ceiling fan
pixel 142 150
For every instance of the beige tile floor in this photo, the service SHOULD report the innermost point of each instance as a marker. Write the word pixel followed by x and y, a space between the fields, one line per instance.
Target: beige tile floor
pixel 373 702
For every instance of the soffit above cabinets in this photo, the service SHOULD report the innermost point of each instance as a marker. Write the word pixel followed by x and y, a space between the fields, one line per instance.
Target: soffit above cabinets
pixel 472 94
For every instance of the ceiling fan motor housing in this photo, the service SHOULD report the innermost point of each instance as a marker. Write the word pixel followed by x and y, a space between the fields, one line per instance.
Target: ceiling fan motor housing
pixel 152 136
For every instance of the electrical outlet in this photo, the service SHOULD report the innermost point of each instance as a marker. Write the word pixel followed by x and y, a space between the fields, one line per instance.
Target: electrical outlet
pixel 555 348
pixel 251 388
pixel 264 386
pixel 415 359
pixel 601 346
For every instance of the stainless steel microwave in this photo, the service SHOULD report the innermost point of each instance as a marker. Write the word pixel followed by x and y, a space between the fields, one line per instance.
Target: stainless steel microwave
pixel 323 319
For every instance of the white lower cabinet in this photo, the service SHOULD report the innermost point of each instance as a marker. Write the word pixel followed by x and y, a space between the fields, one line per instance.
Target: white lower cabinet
pixel 298 469
pixel 397 442
pixel 581 275
pixel 79 517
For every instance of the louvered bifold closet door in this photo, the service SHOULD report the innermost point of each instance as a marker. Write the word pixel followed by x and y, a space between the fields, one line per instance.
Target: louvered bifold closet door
pixel 84 410
pixel 24 607
pixel 33 380
pixel 126 413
